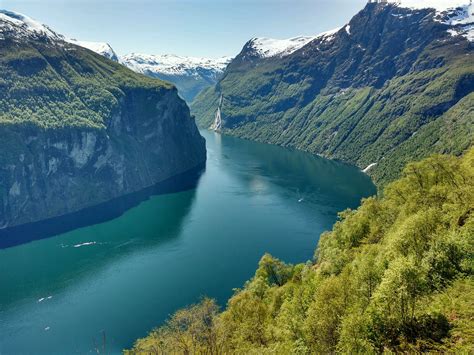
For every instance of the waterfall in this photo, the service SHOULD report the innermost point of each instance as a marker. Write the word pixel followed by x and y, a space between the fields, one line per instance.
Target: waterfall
pixel 217 125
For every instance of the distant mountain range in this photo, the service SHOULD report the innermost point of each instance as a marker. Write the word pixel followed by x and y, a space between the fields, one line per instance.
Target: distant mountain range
pixel 189 74
pixel 393 85
pixel 367 93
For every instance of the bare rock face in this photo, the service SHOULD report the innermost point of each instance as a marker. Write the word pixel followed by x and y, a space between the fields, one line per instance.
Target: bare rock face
pixel 77 129
pixel 60 171
pixel 393 85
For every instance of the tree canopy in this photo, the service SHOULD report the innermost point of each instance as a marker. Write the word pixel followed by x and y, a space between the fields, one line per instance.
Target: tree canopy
pixel 394 275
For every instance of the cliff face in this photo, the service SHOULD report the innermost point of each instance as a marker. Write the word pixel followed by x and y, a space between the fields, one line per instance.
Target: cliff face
pixel 78 129
pixel 391 86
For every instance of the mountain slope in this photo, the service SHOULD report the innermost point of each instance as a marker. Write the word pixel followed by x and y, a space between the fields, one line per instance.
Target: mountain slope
pixel 190 75
pixel 394 276
pixel 261 47
pixel 78 129
pixel 393 85
pixel 102 48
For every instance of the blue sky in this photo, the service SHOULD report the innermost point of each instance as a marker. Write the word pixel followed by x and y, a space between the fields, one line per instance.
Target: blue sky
pixel 210 28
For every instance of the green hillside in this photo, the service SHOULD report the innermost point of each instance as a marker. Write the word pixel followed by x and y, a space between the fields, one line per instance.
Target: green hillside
pixel 395 88
pixel 78 129
pixel 395 275
pixel 45 84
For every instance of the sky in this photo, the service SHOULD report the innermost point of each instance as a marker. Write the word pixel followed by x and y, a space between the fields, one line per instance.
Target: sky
pixel 202 28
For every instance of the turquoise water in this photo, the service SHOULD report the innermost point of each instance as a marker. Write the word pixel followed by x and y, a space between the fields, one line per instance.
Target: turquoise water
pixel 118 279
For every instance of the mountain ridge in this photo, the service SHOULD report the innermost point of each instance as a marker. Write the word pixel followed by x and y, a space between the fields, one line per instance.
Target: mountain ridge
pixel 369 94
pixel 189 74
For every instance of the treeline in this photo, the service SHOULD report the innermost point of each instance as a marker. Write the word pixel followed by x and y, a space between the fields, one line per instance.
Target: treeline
pixel 395 275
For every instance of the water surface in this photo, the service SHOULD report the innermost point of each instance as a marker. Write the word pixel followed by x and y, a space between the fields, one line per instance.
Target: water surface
pixel 118 279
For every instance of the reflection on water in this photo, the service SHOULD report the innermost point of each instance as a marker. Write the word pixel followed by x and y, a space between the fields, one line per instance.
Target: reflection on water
pixel 126 275
pixel 97 214
pixel 299 175
pixel 80 253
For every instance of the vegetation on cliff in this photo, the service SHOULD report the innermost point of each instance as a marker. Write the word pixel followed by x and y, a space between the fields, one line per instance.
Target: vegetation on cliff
pixel 79 129
pixel 54 85
pixel 394 275
pixel 391 87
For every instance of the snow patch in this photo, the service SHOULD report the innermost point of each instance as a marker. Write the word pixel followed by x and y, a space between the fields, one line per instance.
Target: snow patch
pixel 270 47
pixel 461 21
pixel 458 14
pixel 101 48
pixel 25 26
pixel 438 5
pixel 170 64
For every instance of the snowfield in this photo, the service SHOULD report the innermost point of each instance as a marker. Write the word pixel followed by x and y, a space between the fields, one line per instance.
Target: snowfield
pixel 270 47
pixel 459 14
pixel 438 5
pixel 101 48
pixel 170 64
pixel 25 26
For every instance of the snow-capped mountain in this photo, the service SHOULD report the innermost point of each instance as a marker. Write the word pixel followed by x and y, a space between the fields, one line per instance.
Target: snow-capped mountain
pixel 263 47
pixel 460 19
pixel 20 26
pixel 189 74
pixel 270 47
pixel 101 48
pixel 438 5
pixel 458 14
pixel 170 64
pixel 315 98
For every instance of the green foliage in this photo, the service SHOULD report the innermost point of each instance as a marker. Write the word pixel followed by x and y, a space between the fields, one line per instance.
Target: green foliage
pixel 395 275
pixel 57 85
pixel 189 331
pixel 337 101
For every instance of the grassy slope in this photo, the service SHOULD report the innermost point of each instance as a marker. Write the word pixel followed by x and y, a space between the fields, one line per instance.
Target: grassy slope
pixel 397 274
pixel 62 85
pixel 298 101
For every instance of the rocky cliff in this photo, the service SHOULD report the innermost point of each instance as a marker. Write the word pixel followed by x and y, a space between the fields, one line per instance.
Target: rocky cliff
pixel 393 85
pixel 78 129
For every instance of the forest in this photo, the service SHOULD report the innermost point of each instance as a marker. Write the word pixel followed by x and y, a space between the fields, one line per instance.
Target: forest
pixel 395 275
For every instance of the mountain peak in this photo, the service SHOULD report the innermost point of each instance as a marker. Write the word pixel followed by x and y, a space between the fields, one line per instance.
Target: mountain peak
pixel 172 64
pixel 270 47
pixel 101 48
pixel 19 25
pixel 458 14
pixel 438 5
pixel 263 47
pixel 189 74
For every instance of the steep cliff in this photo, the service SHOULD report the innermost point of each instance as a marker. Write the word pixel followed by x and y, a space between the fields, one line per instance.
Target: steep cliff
pixel 78 129
pixel 393 85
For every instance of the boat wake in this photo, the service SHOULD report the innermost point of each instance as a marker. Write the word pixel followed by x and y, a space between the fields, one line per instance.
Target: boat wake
pixel 84 244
